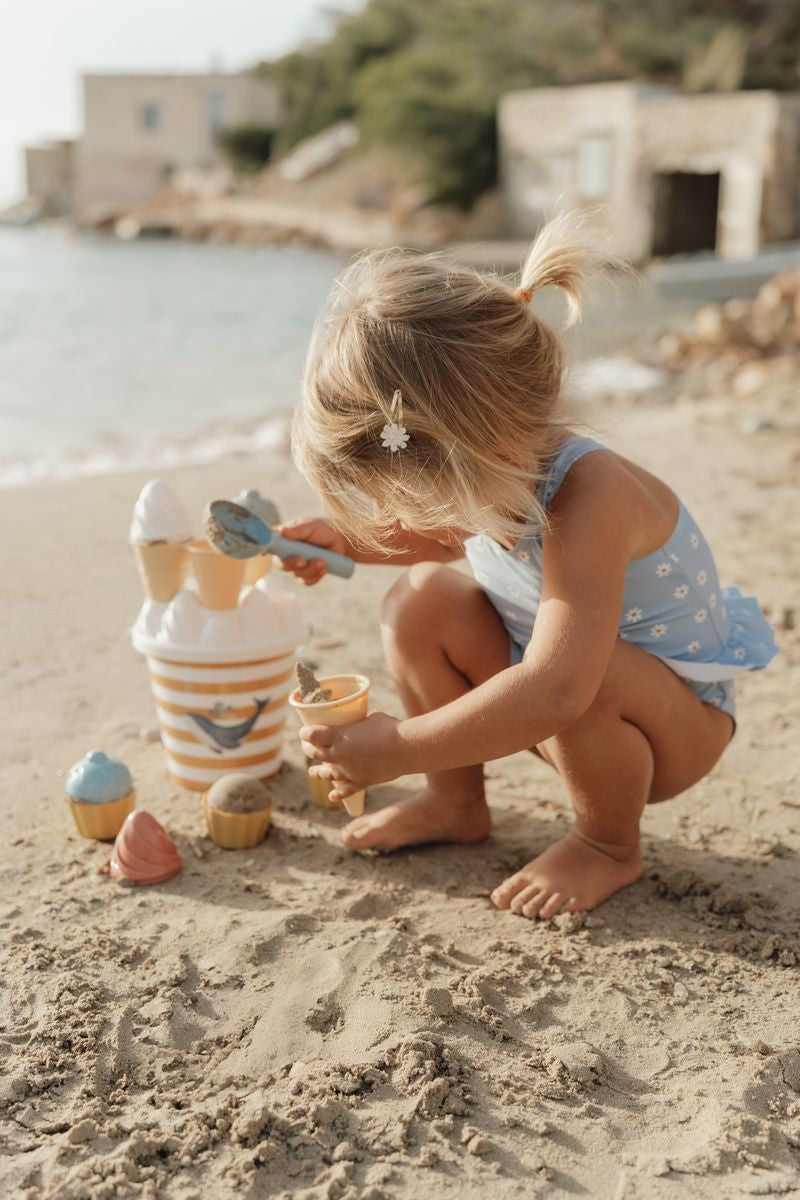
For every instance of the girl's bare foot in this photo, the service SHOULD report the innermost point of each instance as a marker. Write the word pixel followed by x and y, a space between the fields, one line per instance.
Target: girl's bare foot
pixel 570 876
pixel 426 817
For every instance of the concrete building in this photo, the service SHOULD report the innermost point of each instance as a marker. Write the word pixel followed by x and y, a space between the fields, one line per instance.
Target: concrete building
pixel 139 129
pixel 670 173
pixel 49 175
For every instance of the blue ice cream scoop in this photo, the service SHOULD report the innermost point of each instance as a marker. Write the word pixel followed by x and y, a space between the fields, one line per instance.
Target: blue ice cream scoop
pixel 235 531
pixel 254 502
pixel 98 778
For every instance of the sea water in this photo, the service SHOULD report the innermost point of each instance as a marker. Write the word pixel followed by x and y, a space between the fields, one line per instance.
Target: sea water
pixel 154 352
pixel 115 354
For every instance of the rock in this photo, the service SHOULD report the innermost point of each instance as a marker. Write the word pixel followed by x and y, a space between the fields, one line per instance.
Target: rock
pixel 578 1060
pixel 570 922
pixel 84 1131
pixel 790 1069
pixel 726 900
pixel 753 425
pixel 710 325
pixel 479 1145
pixel 439 1000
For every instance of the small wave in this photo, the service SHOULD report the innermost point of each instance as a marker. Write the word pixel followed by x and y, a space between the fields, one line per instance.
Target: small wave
pixel 271 435
pixel 616 374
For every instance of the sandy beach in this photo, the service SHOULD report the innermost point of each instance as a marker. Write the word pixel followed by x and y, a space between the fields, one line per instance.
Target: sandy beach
pixel 300 1021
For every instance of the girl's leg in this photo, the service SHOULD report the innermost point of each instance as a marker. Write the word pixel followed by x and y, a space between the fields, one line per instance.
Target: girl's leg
pixel 441 637
pixel 646 737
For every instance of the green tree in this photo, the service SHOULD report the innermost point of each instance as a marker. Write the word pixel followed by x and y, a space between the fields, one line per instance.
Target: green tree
pixel 427 74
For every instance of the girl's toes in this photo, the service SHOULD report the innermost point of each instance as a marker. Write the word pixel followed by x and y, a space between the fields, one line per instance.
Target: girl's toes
pixel 551 906
pixel 501 896
pixel 531 909
pixel 522 897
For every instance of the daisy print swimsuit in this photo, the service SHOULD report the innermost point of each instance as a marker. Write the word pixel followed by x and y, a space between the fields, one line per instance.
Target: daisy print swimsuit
pixel 673 604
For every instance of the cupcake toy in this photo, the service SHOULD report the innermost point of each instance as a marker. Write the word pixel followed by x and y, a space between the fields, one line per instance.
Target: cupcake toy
pixel 237 809
pixel 100 795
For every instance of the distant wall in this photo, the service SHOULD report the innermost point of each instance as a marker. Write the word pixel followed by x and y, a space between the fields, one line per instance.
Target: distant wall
pixel 610 145
pixel 140 128
pixel 733 135
pixel 571 148
pixel 49 176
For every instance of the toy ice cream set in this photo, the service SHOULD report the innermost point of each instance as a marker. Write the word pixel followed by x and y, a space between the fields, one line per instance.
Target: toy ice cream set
pixel 220 654
pixel 219 632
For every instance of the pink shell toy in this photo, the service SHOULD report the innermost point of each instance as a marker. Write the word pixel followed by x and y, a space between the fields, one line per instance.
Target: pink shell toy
pixel 143 852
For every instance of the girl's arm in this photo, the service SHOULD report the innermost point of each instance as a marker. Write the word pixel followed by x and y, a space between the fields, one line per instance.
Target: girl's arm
pixel 585 557
pixel 405 548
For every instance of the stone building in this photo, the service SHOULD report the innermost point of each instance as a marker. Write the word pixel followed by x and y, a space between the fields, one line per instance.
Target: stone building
pixel 663 172
pixel 49 176
pixel 139 129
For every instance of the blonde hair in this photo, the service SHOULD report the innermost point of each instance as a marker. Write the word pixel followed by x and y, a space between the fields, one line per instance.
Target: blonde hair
pixel 480 377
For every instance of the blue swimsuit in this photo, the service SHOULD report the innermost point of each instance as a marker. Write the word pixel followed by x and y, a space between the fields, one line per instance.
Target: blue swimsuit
pixel 673 605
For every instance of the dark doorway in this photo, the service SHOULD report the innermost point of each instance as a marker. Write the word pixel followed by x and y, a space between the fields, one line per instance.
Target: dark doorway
pixel 685 212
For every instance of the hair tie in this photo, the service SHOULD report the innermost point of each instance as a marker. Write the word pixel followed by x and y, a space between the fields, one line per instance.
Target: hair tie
pixel 524 293
pixel 394 435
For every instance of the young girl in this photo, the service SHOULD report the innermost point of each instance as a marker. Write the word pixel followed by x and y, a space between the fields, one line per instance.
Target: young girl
pixel 594 632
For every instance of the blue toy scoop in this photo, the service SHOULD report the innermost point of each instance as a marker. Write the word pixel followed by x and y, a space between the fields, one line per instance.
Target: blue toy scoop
pixel 235 531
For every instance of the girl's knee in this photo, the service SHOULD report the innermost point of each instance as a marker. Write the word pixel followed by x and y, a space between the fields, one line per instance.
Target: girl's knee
pixel 425 590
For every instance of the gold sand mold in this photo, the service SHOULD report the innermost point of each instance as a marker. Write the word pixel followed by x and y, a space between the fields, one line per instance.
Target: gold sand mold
pixel 348 704
pixel 237 828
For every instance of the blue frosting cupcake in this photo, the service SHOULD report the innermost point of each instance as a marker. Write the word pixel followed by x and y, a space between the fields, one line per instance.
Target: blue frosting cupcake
pixel 98 779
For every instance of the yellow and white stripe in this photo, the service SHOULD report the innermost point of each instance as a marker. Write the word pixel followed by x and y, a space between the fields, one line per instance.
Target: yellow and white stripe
pixel 181 688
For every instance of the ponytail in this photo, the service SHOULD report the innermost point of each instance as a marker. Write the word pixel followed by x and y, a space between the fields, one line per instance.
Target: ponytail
pixel 566 256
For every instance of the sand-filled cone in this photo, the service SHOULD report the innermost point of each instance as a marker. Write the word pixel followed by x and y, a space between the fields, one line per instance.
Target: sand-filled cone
pixel 219 578
pixel 237 810
pixel 101 821
pixel 256 568
pixel 162 568
pixel 348 704
pixel 143 852
pixel 236 831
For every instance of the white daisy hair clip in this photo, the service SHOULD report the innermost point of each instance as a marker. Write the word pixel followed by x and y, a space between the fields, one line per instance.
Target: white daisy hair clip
pixel 394 435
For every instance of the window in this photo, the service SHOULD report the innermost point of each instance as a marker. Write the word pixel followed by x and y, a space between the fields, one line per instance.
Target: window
pixel 216 105
pixel 593 168
pixel 151 116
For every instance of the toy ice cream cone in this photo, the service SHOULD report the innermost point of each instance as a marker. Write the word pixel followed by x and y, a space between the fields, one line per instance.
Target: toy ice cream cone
pixel 100 795
pixel 255 568
pixel 237 810
pixel 219 578
pixel 348 704
pixel 162 568
pixel 160 531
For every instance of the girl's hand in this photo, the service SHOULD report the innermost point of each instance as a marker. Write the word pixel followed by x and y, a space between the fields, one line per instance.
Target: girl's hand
pixel 319 533
pixel 355 756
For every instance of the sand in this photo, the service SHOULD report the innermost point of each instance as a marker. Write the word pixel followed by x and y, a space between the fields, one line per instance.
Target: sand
pixel 299 1021
pixel 236 793
pixel 308 686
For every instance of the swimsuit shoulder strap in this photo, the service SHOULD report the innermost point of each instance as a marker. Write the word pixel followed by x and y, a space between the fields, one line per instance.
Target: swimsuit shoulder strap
pixel 568 453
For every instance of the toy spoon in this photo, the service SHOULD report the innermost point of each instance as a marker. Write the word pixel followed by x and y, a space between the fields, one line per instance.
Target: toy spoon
pixel 238 533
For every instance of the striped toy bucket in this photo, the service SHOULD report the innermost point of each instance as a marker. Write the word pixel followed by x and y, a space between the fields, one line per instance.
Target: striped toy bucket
pixel 219 717
pixel 221 680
